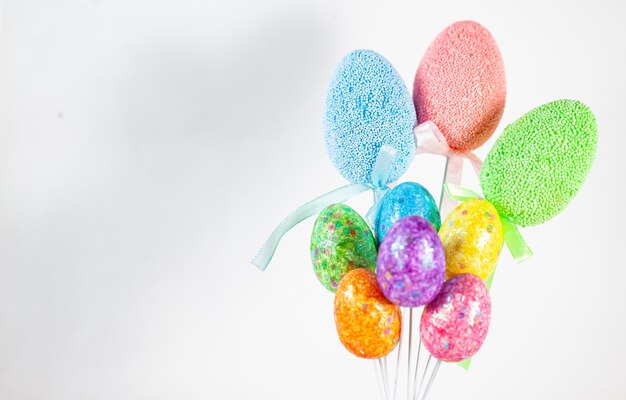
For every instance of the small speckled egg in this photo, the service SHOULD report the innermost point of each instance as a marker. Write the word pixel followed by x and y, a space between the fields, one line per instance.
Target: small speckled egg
pixel 408 198
pixel 472 237
pixel 411 262
pixel 341 241
pixel 455 324
pixel 367 323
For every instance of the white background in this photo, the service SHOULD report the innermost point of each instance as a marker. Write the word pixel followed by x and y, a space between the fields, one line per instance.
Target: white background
pixel 147 147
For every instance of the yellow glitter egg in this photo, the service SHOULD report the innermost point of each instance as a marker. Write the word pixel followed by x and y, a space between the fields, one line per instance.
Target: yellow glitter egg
pixel 472 238
pixel 367 323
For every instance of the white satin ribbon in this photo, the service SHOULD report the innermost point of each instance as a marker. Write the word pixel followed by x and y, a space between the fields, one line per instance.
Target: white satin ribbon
pixel 430 140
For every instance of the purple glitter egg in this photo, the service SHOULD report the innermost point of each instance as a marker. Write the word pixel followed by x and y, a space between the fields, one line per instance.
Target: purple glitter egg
pixel 411 262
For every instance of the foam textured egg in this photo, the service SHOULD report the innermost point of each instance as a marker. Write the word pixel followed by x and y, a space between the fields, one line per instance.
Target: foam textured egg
pixel 540 162
pixel 460 85
pixel 368 324
pixel 408 198
pixel 472 238
pixel 368 106
pixel 341 241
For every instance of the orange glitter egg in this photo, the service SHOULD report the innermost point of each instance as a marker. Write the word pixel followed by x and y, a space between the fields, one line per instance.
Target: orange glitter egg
pixel 367 323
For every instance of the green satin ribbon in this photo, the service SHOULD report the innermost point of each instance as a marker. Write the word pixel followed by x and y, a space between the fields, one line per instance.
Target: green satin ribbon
pixel 512 237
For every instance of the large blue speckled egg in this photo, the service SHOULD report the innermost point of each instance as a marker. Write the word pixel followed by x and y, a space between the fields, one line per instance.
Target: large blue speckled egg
pixel 368 106
pixel 408 198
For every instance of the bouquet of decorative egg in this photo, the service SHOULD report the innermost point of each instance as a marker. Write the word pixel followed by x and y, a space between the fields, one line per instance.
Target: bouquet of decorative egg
pixel 401 256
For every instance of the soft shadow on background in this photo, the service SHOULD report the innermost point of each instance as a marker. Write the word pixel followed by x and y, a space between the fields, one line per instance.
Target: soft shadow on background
pixel 147 149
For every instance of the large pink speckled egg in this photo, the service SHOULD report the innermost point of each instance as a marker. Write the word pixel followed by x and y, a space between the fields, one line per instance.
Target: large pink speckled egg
pixel 460 85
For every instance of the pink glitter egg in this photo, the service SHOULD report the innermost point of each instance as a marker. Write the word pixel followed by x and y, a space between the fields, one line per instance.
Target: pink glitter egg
pixel 454 325
pixel 460 85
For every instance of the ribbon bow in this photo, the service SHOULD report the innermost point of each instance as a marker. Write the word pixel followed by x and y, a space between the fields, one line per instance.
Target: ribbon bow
pixel 512 237
pixel 380 175
pixel 430 140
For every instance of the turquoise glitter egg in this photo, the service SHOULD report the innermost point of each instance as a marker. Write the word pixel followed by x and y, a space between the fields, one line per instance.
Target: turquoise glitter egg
pixel 408 198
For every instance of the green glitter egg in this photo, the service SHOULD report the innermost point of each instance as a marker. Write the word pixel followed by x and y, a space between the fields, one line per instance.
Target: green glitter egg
pixel 540 162
pixel 341 241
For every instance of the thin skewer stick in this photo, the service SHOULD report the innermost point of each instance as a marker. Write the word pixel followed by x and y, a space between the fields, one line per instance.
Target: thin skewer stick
pixel 416 393
pixel 385 377
pixel 408 365
pixel 382 361
pixel 432 378
pixel 419 348
pixel 378 372
pixel 419 389
pixel 417 364
pixel 395 383
pixel 443 192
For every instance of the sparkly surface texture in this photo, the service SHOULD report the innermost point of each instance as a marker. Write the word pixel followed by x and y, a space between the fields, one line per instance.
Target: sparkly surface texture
pixel 406 199
pixel 472 238
pixel 455 324
pixel 411 262
pixel 368 324
pixel 341 241
pixel 460 85
pixel 540 162
pixel 367 106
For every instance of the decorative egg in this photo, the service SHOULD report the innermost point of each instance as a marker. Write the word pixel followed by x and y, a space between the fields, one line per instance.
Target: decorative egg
pixel 455 324
pixel 341 241
pixel 411 262
pixel 460 85
pixel 540 161
pixel 472 238
pixel 368 106
pixel 367 323
pixel 408 198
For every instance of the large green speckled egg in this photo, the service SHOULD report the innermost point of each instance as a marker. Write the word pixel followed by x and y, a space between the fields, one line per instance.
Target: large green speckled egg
pixel 540 162
pixel 341 241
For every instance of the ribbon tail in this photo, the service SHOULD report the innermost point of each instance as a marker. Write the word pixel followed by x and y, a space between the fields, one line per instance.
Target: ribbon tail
pixel 429 140
pixel 266 252
pixel 454 169
pixel 372 214
pixel 385 161
pixel 380 176
pixel 515 242
pixel 459 193
pixel 465 364
pixel 489 280
pixel 476 162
